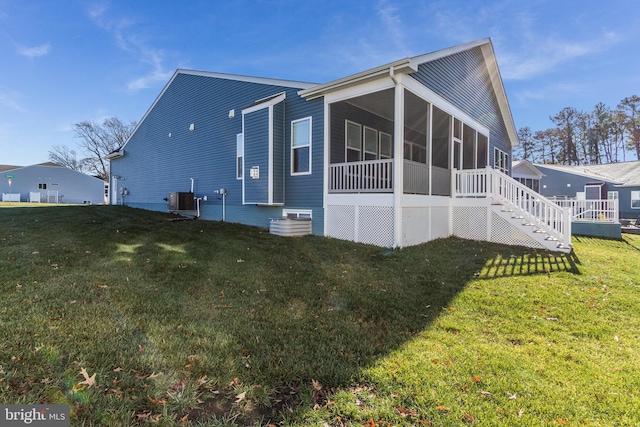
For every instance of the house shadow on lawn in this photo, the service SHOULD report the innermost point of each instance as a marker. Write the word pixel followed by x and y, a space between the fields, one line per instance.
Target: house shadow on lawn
pixel 279 323
pixel 261 328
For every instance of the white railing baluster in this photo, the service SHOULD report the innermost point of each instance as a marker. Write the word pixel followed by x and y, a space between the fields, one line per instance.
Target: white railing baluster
pixel 534 208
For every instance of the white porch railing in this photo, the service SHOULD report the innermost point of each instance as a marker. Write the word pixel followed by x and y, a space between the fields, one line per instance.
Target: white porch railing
pixel 591 210
pixel 416 177
pixel 534 208
pixel 375 176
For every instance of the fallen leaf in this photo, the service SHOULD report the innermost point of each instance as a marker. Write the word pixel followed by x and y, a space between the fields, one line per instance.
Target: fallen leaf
pixel 562 421
pixel 467 418
pixel 156 401
pixel 476 379
pixel 240 397
pixel 485 393
pixel 442 408
pixel 403 412
pixel 89 381
pixel 452 309
pixel 511 396
pixel 118 369
pixel 183 419
pixel 316 385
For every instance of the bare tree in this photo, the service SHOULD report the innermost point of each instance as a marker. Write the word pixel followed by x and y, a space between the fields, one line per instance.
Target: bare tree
pixel 64 156
pixel 97 140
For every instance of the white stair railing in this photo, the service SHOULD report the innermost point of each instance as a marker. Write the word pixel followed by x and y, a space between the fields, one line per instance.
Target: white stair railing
pixel 535 209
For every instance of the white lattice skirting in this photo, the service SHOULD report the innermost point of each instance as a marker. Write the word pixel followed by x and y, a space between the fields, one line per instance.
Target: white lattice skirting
pixel 374 225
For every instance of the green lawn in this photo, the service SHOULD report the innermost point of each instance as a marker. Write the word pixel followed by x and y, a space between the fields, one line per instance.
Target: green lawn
pixel 216 324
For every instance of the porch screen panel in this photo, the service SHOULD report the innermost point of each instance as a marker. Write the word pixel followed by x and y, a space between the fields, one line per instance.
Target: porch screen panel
pixel 416 121
pixel 440 143
pixel 440 138
pixel 468 148
pixel 483 147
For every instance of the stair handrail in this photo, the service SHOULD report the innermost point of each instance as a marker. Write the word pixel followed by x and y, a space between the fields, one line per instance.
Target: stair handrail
pixel 533 206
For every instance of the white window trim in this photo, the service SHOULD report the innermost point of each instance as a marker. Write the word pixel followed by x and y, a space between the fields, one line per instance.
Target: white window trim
pixel 637 194
pixel 240 143
pixel 501 160
pixel 310 119
pixel 346 144
pixel 612 195
pixel 385 156
pixel 364 142
pixel 299 213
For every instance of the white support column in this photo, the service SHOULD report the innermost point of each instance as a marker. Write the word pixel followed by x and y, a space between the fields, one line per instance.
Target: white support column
pixel 398 159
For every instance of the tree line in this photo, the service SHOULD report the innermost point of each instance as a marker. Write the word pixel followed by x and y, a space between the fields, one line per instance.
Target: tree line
pixel 604 135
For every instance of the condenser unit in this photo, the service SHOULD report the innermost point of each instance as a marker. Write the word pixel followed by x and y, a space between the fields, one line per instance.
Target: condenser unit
pixel 180 201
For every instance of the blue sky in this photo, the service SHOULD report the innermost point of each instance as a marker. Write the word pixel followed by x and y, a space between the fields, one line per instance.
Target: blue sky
pixel 62 62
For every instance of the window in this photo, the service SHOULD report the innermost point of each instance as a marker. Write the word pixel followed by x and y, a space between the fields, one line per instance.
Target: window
pixel 353 135
pixel 612 195
pixel 42 186
pixel 385 146
pixel 239 155
pixel 301 146
pixel 501 160
pixel 370 144
pixel 635 199
pixel 296 213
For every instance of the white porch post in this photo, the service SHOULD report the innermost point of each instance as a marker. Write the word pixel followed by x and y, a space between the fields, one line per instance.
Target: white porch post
pixel 398 159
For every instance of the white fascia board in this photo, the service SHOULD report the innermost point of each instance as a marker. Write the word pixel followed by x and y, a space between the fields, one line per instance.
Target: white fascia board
pixel 501 95
pixel 359 90
pixel 432 56
pixel 401 66
pixel 115 155
pixel 525 164
pixel 269 102
pixel 249 79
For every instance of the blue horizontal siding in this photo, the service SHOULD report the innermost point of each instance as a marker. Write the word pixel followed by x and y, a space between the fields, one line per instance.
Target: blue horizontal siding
pixel 256 154
pixel 156 164
pixel 463 80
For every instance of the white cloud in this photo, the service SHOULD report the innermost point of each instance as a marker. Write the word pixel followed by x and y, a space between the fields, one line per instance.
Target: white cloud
pixel 36 51
pixel 10 100
pixel 546 54
pixel 133 43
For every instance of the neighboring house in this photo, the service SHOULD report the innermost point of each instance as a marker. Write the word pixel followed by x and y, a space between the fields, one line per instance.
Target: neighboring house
pixel 527 174
pixel 619 181
pixel 400 154
pixel 50 183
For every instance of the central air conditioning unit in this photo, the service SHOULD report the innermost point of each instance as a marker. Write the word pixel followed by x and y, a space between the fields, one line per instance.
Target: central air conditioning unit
pixel 181 201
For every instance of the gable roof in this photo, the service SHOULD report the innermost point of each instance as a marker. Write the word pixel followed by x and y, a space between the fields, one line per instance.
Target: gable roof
pixel 622 174
pixel 525 165
pixel 410 65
